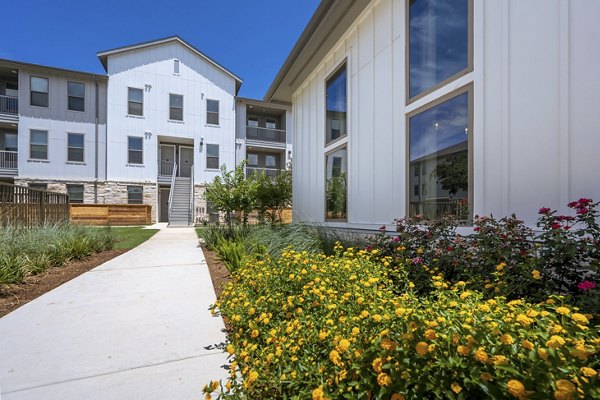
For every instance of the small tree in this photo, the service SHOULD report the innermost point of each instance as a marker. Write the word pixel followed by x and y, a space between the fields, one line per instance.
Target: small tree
pixel 232 192
pixel 273 195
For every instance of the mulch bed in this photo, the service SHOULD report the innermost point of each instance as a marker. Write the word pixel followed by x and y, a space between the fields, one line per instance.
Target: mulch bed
pixel 218 271
pixel 15 295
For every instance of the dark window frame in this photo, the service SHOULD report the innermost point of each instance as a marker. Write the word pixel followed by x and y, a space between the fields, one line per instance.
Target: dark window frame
pixel 210 157
pixel 130 101
pixel 71 199
pixel 172 108
pixel 38 144
pixel 69 147
pixel 32 92
pixel 129 150
pixel 131 190
pixel 69 97
pixel 210 115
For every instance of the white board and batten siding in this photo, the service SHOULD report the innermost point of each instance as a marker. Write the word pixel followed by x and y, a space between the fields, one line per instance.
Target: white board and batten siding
pixel 536 94
pixel 151 69
pixel 58 121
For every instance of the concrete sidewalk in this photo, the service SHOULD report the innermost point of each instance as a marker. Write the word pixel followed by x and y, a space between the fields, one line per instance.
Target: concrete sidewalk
pixel 136 327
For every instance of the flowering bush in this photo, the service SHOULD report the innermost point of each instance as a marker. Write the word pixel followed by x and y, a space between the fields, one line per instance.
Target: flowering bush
pixel 562 258
pixel 319 327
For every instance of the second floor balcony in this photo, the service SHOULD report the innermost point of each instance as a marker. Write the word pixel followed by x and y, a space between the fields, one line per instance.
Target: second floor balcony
pixel 9 105
pixel 265 134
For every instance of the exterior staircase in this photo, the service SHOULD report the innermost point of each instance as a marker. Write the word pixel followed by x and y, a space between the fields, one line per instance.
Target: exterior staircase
pixel 180 207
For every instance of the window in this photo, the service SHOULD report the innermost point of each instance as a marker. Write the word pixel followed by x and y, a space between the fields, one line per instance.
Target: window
pixel 75 193
pixel 11 141
pixel 253 121
pixel 212 112
pixel 38 186
pixel 135 150
pixel 253 160
pixel 176 107
pixel 38 144
pixel 439 136
pixel 75 147
pixel 336 164
pixel 212 156
pixel 135 101
pixel 336 103
pixel 76 94
pixel 39 91
pixel 271 123
pixel 270 161
pixel 176 67
pixel 135 194
pixel 438 43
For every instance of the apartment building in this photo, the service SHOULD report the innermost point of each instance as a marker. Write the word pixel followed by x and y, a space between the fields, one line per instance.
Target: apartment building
pixel 155 129
pixel 435 107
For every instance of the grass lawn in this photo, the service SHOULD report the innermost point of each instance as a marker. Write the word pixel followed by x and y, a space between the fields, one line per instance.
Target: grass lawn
pixel 130 237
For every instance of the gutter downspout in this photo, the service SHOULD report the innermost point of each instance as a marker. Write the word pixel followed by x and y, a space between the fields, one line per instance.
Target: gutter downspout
pixel 96 149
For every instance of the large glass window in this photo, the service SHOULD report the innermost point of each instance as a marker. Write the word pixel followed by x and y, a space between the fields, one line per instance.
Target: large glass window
pixel 135 150
pixel 135 101
pixel 336 105
pixel 212 112
pixel 212 156
pixel 135 194
pixel 439 145
pixel 75 193
pixel 38 144
pixel 438 35
pixel 336 164
pixel 76 94
pixel 176 107
pixel 39 91
pixel 75 147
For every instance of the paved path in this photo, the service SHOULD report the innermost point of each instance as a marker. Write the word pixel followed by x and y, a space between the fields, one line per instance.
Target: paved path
pixel 136 327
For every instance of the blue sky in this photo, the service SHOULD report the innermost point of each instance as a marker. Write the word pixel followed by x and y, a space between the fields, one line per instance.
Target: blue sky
pixel 251 38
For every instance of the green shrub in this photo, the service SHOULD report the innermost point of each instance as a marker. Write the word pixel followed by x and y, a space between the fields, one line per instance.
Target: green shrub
pixel 29 251
pixel 311 326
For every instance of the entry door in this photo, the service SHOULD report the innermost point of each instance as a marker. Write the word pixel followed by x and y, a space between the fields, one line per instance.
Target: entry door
pixel 164 205
pixel 167 159
pixel 186 160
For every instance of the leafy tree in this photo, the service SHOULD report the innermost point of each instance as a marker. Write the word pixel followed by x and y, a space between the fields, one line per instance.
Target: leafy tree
pixel 232 192
pixel 273 195
pixel 336 196
pixel 453 173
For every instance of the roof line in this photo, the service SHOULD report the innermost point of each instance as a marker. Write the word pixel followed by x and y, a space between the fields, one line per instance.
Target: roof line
pixel 307 33
pixel 70 71
pixel 121 49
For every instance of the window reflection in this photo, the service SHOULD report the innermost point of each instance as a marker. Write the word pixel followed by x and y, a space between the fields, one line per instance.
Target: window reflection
pixel 336 98
pixel 335 186
pixel 439 160
pixel 438 42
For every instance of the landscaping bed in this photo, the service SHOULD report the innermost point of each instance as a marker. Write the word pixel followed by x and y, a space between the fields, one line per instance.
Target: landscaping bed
pixel 504 313
pixel 34 261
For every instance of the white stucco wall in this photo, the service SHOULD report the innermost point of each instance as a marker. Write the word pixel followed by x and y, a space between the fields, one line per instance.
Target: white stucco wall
pixel 536 119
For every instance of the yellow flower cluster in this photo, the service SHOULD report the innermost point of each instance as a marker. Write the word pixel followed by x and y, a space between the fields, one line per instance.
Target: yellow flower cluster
pixel 320 327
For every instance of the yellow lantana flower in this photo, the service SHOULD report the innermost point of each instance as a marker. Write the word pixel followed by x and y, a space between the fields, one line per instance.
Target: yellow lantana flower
pixel 422 348
pixel 516 388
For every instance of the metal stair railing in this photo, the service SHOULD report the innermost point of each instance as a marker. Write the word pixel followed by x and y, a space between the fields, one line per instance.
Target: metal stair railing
pixel 191 209
pixel 172 190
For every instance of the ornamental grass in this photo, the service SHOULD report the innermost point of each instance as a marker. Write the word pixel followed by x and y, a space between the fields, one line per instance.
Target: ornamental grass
pixel 332 327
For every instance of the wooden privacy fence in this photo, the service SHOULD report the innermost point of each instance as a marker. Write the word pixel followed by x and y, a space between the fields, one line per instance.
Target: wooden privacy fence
pixel 111 214
pixel 24 206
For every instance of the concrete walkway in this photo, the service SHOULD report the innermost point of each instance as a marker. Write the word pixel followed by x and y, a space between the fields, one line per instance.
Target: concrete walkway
pixel 136 327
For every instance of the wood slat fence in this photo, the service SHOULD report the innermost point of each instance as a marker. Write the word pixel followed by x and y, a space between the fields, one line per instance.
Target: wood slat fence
pixel 111 214
pixel 24 206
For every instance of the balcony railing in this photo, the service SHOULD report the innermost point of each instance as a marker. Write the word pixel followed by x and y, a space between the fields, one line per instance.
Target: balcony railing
pixel 9 105
pixel 8 159
pixel 270 172
pixel 265 134
pixel 166 167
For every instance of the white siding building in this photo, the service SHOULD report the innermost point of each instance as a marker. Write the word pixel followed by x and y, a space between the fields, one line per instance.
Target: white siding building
pixel 432 107
pixel 154 130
